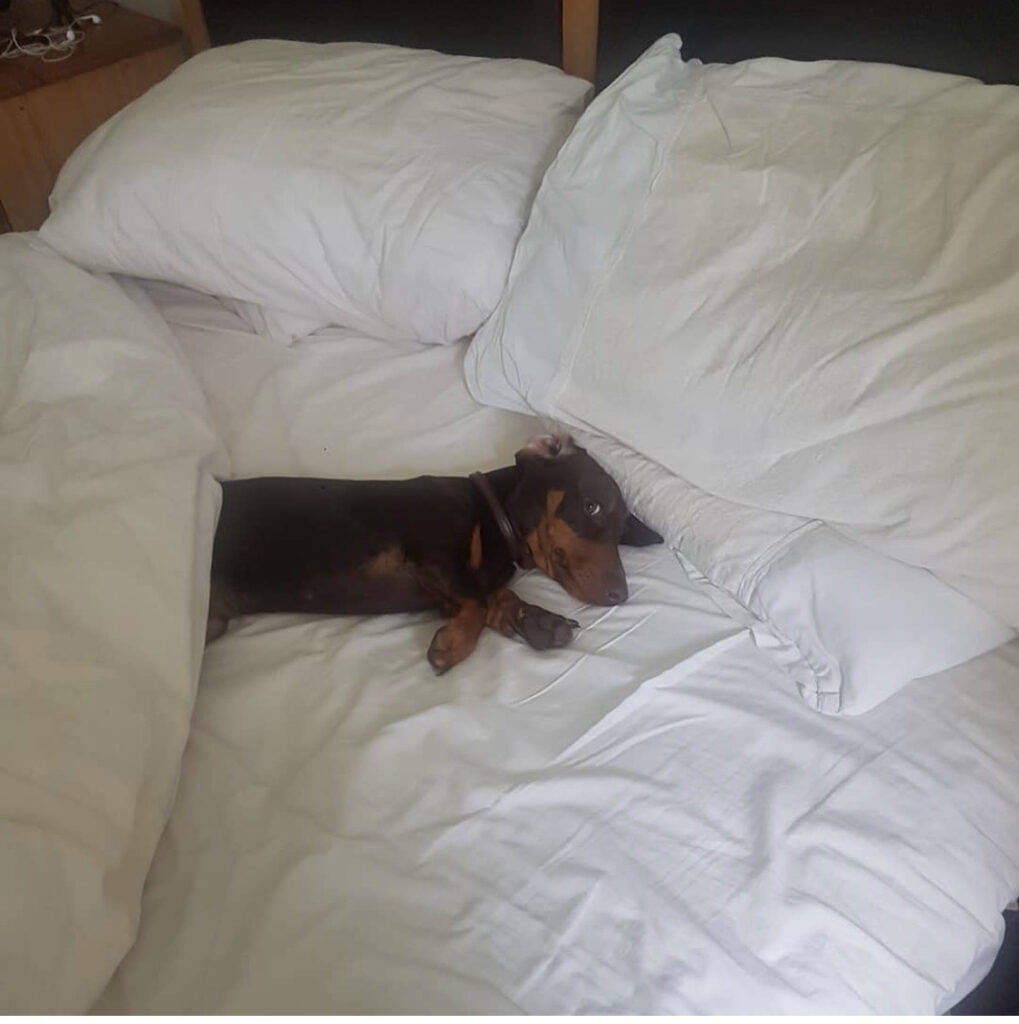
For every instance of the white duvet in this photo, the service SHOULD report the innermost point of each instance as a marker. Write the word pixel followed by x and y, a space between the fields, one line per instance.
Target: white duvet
pixel 107 512
pixel 647 821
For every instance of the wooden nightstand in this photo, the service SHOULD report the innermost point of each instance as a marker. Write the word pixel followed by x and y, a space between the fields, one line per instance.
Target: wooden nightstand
pixel 47 109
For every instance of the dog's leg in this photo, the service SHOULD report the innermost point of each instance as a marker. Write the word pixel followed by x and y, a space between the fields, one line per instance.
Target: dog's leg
pixel 457 593
pixel 457 639
pixel 542 629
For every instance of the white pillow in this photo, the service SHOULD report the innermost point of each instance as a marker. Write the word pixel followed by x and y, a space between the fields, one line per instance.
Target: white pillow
pixel 850 626
pixel 374 187
pixel 796 287
pixel 107 512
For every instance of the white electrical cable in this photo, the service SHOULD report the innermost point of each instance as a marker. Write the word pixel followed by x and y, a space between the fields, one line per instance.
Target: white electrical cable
pixel 49 45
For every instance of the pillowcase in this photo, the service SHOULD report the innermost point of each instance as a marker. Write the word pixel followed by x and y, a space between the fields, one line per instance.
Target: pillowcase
pixel 108 507
pixel 373 187
pixel 794 286
pixel 849 625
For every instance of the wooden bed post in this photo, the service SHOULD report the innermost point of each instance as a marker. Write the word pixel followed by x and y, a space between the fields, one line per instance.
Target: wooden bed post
pixel 580 38
pixel 192 22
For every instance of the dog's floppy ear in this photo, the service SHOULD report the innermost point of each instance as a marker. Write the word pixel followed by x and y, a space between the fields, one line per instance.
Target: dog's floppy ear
pixel 547 446
pixel 637 535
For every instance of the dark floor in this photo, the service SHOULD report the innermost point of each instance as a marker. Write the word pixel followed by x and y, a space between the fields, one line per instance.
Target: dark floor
pixel 998 993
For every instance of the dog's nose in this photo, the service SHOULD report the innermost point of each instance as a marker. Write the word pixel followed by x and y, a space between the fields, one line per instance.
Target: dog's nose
pixel 616 594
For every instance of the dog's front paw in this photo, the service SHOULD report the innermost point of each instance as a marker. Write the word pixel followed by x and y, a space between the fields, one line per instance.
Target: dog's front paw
pixel 455 641
pixel 452 644
pixel 543 629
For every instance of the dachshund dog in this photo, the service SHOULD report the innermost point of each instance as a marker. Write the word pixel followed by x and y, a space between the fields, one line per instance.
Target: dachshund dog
pixel 368 547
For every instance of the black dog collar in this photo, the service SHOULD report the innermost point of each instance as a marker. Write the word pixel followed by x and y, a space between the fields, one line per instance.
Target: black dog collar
pixel 518 551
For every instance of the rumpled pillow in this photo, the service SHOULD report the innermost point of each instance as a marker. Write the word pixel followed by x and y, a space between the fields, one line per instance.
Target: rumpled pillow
pixel 794 287
pixel 374 187
pixel 850 626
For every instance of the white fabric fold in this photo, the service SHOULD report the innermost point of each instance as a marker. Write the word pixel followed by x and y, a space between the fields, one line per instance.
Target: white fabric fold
pixel 107 512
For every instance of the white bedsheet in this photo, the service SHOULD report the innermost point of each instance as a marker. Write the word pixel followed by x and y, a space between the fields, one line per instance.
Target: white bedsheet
pixel 647 821
pixel 340 404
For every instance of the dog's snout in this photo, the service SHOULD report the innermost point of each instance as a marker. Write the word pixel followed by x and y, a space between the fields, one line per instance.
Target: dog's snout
pixel 604 585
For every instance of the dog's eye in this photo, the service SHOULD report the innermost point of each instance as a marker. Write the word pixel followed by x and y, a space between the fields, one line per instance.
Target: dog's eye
pixel 592 508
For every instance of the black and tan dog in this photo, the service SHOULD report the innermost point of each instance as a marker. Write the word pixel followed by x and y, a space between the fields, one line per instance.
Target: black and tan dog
pixel 353 547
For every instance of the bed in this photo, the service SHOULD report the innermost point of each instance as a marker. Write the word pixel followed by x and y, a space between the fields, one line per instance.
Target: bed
pixel 666 816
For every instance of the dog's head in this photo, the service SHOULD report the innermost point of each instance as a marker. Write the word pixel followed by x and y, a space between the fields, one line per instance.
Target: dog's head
pixel 572 519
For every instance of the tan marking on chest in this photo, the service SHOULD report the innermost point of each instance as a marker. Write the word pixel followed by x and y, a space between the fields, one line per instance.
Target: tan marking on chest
pixel 475 557
pixel 541 540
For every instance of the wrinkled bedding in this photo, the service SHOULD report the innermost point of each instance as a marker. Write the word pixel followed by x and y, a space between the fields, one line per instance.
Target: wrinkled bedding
pixel 107 510
pixel 648 821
